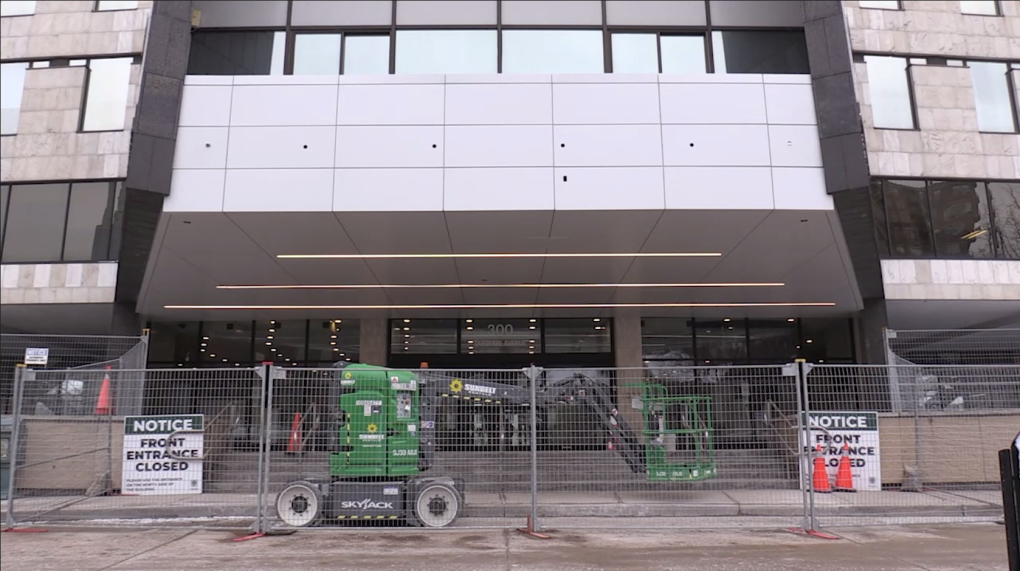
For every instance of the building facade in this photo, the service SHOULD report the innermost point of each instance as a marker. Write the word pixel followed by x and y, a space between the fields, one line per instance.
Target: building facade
pixel 501 183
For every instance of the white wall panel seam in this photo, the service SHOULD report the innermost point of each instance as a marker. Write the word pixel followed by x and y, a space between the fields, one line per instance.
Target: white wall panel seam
pixel 768 139
pixel 230 112
pixel 662 146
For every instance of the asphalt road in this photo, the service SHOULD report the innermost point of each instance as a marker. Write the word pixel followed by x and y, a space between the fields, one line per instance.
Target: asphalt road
pixel 970 547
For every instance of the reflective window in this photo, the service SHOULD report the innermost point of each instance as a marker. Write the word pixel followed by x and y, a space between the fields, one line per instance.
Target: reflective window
pixel 667 338
pixel 1005 207
pixel 17 7
pixel 758 52
pixel 104 5
pixel 12 84
pixel 226 342
pixel 720 341
pixel 773 340
pixel 683 54
pixel 980 7
pixel 425 336
pixel 174 342
pixel 488 336
pixel 446 51
pixel 90 219
pixel 959 217
pixel 907 214
pixel 578 335
pixel 35 223
pixel 317 54
pixel 331 340
pixel 878 213
pixel 880 4
pixel 635 53
pixel 280 341
pixel 992 96
pixel 827 340
pixel 236 53
pixel 107 95
pixel 553 51
pixel 366 55
pixel 890 92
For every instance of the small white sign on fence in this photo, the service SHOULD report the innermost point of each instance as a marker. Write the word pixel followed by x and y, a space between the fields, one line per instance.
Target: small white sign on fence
pixel 859 431
pixel 38 356
pixel 163 455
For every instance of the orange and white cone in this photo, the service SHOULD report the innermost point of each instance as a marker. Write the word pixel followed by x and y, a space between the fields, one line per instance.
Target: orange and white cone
pixel 819 477
pixel 294 442
pixel 103 401
pixel 844 479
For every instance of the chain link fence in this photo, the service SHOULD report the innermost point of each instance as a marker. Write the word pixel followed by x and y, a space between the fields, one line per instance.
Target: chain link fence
pixel 269 448
pixel 954 346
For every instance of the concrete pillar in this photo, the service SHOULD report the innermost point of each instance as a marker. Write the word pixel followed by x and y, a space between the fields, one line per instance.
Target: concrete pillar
pixel 124 320
pixel 627 350
pixel 374 339
pixel 871 325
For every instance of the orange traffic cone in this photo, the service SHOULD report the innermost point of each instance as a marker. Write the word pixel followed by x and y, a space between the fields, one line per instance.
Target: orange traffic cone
pixel 819 477
pixel 294 442
pixel 844 480
pixel 103 402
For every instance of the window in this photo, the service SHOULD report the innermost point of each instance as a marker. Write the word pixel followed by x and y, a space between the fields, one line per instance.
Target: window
pixel 236 53
pixel 366 55
pixel 635 53
pixel 281 342
pixel 1005 207
pixel 90 221
pixel 980 7
pixel 5 193
pixel 424 336
pixel 35 225
pixel 107 94
pixel 333 340
pixel 553 51
pixel 880 4
pixel 683 54
pixel 110 5
pixel 992 97
pixel 17 7
pixel 959 217
pixel 758 52
pixel 226 342
pixel 908 216
pixel 317 54
pixel 578 335
pixel 889 90
pixel 721 341
pixel 772 341
pixel 446 51
pixel 12 84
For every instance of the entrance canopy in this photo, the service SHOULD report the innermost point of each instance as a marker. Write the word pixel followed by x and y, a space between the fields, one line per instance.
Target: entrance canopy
pixel 719 263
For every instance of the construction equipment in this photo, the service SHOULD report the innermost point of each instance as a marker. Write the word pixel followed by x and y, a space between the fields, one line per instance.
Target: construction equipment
pixel 383 440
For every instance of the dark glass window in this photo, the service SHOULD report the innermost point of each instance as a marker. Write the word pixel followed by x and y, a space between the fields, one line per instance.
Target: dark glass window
pixel 35 223
pixel 827 340
pixel 226 342
pixel 908 216
pixel 174 342
pixel 578 335
pixel 773 340
pixel 236 53
pixel 488 336
pixel 90 222
pixel 5 193
pixel 759 52
pixel 280 341
pixel 332 340
pixel 1005 199
pixel 423 336
pixel 667 338
pixel 881 224
pixel 959 217
pixel 721 341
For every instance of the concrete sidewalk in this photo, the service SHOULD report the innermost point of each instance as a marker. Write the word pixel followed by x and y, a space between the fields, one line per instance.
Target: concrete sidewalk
pixel 496 506
pixel 975 547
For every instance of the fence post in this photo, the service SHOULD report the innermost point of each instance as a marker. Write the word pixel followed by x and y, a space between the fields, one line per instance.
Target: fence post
pixel 264 372
pixel 1009 470
pixel 15 446
pixel 803 442
pixel 803 368
pixel 533 374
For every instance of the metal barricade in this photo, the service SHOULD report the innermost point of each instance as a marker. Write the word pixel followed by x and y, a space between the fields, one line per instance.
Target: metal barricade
pixel 189 454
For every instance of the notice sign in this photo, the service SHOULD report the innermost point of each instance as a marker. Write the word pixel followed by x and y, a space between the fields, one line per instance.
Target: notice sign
pixel 859 431
pixel 160 459
pixel 37 356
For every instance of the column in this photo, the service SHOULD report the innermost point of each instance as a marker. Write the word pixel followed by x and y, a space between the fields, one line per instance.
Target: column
pixel 627 350
pixel 373 341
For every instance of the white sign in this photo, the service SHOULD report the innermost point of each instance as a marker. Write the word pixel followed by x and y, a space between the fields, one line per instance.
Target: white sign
pixel 859 432
pixel 162 455
pixel 37 356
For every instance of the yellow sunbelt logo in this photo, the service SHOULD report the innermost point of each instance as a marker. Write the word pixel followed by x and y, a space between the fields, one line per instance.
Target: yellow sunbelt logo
pixel 456 386
pixel 347 375
pixel 372 428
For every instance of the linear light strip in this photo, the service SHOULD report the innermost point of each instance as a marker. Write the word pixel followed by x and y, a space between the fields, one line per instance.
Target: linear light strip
pixel 504 255
pixel 505 306
pixel 497 286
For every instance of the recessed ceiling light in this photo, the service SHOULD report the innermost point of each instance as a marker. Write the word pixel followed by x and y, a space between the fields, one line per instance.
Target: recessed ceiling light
pixel 791 320
pixel 335 349
pixel 502 306
pixel 506 286
pixel 212 355
pixel 205 339
pixel 532 321
pixel 205 344
pixel 406 336
pixel 500 255
pixel 269 336
pixel 809 341
pixel 407 321
pixel 332 342
pixel 469 328
pixel 269 342
pixel 532 327
pixel 596 319
pixel 338 321
pixel 469 321
pixel 727 319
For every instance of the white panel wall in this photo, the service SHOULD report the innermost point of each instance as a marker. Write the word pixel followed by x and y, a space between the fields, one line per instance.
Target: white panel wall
pixel 493 142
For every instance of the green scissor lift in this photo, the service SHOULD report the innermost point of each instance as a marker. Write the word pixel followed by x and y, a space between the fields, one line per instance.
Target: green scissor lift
pixel 677 432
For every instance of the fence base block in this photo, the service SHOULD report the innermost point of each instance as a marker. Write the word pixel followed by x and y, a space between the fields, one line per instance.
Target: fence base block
pixel 530 531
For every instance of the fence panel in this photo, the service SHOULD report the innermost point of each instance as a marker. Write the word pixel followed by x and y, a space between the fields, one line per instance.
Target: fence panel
pixel 675 447
pixel 920 442
pixel 954 346
pixel 187 454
